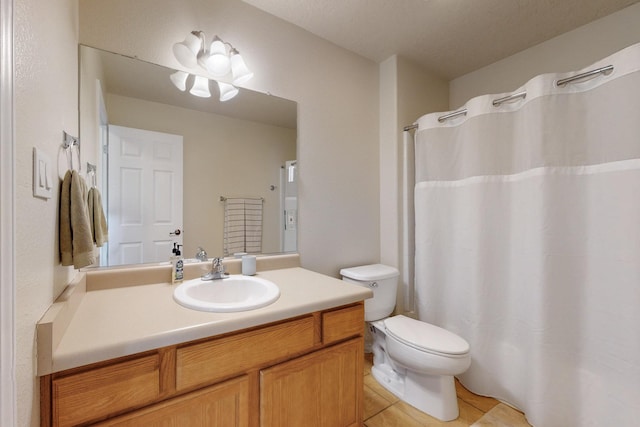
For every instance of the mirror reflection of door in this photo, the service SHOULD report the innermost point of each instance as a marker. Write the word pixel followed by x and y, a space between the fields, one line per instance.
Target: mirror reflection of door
pixel 145 195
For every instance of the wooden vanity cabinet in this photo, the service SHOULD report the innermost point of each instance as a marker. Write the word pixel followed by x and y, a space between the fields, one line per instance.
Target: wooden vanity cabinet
pixel 224 404
pixel 323 388
pixel 302 371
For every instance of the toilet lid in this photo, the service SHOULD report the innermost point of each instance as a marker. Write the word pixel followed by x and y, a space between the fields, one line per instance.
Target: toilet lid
pixel 424 336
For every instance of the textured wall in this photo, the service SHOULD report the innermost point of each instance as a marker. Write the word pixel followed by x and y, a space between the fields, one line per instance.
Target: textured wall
pixel 46 82
pixel 337 95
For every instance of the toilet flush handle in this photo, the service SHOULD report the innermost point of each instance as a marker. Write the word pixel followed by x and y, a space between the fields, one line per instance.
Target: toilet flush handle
pixel 373 284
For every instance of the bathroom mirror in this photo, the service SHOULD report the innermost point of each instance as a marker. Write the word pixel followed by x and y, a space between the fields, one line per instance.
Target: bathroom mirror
pixel 241 148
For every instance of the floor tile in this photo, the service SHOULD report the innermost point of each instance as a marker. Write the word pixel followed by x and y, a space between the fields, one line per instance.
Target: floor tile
pixel 502 415
pixel 481 402
pixel 421 417
pixel 373 402
pixel 383 409
pixel 393 416
pixel 468 413
pixel 378 388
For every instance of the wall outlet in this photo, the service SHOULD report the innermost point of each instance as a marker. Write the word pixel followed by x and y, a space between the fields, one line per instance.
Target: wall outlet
pixel 42 178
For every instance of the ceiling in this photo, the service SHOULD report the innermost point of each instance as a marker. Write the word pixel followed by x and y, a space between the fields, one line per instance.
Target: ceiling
pixel 134 78
pixel 447 37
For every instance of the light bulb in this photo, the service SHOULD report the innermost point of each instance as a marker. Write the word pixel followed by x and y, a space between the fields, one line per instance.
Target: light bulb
pixel 218 61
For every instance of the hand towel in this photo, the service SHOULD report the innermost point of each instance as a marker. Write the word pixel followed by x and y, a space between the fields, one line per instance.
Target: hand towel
pixel 76 242
pixel 97 220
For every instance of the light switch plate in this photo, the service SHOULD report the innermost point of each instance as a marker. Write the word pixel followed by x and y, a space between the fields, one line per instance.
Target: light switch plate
pixel 42 178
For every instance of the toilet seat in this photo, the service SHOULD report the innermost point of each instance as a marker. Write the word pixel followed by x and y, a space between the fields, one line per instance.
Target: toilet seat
pixel 426 337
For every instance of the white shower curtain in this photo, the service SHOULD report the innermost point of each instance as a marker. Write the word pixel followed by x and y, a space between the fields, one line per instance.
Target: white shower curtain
pixel 528 243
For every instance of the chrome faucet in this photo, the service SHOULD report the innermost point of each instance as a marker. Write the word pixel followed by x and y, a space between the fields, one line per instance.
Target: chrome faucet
pixel 201 255
pixel 217 270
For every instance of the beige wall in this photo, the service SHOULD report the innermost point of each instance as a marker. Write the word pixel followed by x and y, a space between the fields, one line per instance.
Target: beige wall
pixel 338 155
pixel 568 52
pixel 222 157
pixel 341 214
pixel 46 82
pixel 337 100
pixel 406 93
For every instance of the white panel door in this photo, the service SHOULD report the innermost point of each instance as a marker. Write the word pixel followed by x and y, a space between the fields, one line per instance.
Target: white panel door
pixel 145 195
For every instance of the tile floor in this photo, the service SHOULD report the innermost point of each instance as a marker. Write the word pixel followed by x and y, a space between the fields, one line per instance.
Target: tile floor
pixel 383 409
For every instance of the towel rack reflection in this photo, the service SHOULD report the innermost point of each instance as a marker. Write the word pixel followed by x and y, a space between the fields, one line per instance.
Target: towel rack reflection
pixel 224 198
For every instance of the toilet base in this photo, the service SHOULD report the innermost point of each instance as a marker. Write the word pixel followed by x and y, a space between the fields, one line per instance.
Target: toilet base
pixel 432 394
pixel 389 379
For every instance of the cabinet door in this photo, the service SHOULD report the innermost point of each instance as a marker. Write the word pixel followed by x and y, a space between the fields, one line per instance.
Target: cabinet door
pixel 321 389
pixel 222 405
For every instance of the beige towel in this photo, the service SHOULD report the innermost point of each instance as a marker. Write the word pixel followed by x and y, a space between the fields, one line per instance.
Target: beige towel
pixel 97 221
pixel 76 242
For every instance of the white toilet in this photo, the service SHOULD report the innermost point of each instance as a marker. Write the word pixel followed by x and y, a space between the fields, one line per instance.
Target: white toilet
pixel 414 360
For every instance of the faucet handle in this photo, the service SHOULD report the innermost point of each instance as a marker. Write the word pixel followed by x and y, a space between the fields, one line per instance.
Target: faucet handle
pixel 217 266
pixel 201 255
pixel 217 270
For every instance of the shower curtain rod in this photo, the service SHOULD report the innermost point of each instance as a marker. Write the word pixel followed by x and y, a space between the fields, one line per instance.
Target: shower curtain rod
pixel 602 70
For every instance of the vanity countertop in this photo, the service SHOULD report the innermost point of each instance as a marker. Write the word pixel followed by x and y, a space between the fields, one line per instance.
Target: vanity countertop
pixel 107 323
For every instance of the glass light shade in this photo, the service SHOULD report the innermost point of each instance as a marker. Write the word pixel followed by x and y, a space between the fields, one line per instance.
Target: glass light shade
pixel 186 52
pixel 179 79
pixel 239 69
pixel 218 61
pixel 200 87
pixel 227 91
pixel 203 57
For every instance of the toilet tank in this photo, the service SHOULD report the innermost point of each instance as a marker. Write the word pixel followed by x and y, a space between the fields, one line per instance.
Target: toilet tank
pixel 382 280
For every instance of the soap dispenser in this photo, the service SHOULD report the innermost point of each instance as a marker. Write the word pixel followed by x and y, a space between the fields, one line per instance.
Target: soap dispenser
pixel 177 264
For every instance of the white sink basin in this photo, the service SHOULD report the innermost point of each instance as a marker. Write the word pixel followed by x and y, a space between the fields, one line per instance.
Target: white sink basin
pixel 233 293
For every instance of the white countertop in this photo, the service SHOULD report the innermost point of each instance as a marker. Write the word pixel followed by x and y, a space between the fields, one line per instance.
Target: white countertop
pixel 121 321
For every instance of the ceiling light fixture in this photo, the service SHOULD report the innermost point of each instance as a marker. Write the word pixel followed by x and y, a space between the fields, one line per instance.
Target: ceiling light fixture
pixel 219 60
pixel 227 91
pixel 179 79
pixel 200 87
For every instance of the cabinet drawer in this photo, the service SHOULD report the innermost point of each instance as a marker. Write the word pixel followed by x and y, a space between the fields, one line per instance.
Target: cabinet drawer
pixel 342 323
pixel 90 395
pixel 225 404
pixel 209 361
